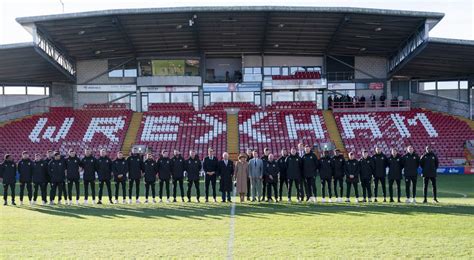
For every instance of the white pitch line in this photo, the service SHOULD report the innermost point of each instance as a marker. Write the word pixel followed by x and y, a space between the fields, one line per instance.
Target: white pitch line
pixel 230 244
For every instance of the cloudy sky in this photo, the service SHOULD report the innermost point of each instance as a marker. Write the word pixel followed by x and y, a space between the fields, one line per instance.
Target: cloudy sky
pixel 457 23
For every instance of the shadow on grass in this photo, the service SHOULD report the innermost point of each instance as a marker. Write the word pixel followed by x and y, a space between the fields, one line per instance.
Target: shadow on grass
pixel 203 211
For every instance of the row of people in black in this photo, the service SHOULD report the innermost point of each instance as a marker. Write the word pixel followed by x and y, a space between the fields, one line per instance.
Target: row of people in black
pixel 301 167
pixel 298 168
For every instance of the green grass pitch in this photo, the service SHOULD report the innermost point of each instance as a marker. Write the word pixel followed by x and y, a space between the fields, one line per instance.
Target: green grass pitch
pixel 257 230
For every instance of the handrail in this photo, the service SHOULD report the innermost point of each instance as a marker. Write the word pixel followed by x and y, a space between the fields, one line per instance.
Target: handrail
pixel 369 105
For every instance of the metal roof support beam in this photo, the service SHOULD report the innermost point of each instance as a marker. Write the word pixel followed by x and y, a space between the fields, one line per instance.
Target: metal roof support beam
pixel 58 58
pixel 116 22
pixel 415 41
pixel 265 30
pixel 342 23
pixel 350 66
pixel 196 33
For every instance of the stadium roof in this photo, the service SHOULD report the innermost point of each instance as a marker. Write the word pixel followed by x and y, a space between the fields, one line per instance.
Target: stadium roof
pixel 21 62
pixel 440 58
pixel 237 29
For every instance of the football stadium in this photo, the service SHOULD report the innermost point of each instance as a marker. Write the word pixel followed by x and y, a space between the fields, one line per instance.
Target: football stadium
pixel 237 132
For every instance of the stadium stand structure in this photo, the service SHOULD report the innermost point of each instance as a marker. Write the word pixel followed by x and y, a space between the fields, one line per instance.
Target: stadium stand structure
pixel 446 134
pixel 183 131
pixel 170 107
pixel 65 128
pixel 277 129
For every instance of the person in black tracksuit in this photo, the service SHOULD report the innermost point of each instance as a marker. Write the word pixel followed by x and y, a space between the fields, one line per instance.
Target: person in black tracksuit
pixel 209 166
pixel 104 172
pixel 134 175
pixel 120 170
pixel 40 170
pixel 178 174
pixel 411 162
pixel 88 164
pixel 57 172
pixel 271 172
pixel 25 169
pixel 49 157
pixel 282 167
pixel 310 166
pixel 338 163
pixel 395 166
pixel 294 165
pixel 72 174
pixel 380 172
pixel 8 175
pixel 150 169
pixel 367 169
pixel 249 157
pixel 303 185
pixel 193 167
pixel 164 173
pixel 266 152
pixel 429 165
pixel 352 171
pixel 325 173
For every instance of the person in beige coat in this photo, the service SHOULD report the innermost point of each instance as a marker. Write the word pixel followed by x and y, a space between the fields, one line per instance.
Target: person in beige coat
pixel 241 174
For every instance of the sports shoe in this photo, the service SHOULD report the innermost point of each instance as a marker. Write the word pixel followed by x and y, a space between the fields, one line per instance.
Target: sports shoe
pixel 330 200
pixel 348 200
pixel 77 202
pixel 357 200
pixel 85 202
pixel 154 201
pixel 124 201
pixel 407 200
pixel 21 203
pixel 99 202
pixel 116 201
pixel 323 200
pixel 93 202
pixel 413 200
pixel 167 200
pixel 137 202
pixel 146 201
pixel 215 200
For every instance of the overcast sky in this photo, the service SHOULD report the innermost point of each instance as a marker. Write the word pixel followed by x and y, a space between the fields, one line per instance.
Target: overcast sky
pixel 457 23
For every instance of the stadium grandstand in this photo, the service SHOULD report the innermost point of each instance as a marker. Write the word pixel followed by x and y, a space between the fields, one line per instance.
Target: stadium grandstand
pixel 234 78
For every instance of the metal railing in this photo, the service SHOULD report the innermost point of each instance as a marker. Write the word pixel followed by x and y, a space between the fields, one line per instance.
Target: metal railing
pixel 387 105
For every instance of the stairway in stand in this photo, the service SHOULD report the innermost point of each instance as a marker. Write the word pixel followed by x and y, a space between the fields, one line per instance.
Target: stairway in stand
pixel 333 131
pixel 132 131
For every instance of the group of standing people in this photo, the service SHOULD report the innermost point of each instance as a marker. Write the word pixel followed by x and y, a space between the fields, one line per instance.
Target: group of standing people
pixel 254 177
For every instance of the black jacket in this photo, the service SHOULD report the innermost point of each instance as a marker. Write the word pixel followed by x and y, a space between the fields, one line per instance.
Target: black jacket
pixel 225 174
pixel 120 167
pixel 209 165
pixel 411 163
pixel 104 168
pixel 40 171
pixel 72 168
pixel 150 168
pixel 134 167
pixel 88 163
pixel 310 165
pixel 193 167
pixel 429 164
pixel 282 167
pixel 395 166
pixel 338 163
pixel 8 172
pixel 326 168
pixel 352 167
pixel 164 168
pixel 367 168
pixel 271 169
pixel 25 169
pixel 57 170
pixel 178 167
pixel 381 163
pixel 294 166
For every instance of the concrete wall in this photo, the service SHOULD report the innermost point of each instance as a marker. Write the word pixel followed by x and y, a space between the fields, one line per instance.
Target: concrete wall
pixel 11 100
pixel 63 95
pixel 25 109
pixel 256 61
pixel 91 68
pixel 440 104
pixel 91 98
pixel 375 66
